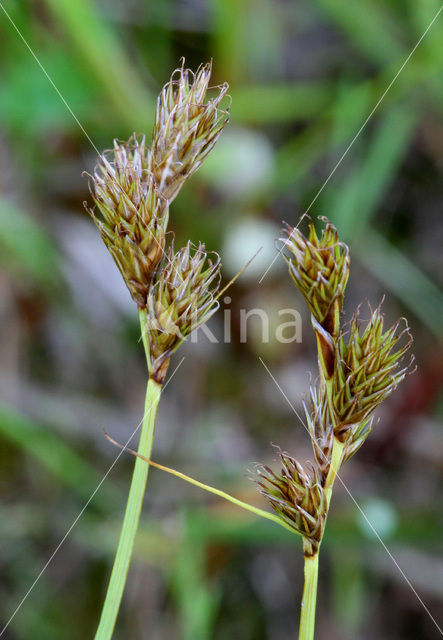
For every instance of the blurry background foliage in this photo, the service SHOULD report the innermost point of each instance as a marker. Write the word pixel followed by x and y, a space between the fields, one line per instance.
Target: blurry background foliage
pixel 304 76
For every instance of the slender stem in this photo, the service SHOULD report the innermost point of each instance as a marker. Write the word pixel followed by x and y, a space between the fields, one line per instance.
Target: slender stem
pixel 309 601
pixel 326 347
pixel 143 317
pixel 337 447
pixel 131 518
pixel 336 459
pixel 222 494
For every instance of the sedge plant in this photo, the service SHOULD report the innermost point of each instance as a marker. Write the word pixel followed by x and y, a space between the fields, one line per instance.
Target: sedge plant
pixel 358 369
pixel 175 291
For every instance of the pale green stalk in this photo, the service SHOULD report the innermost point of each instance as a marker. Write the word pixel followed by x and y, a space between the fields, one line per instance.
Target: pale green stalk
pixel 309 601
pixel 336 458
pixel 222 494
pixel 337 447
pixel 132 514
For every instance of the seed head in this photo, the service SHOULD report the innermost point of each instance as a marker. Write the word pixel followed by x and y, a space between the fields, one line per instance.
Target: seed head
pixel 134 215
pixel 186 128
pixel 297 496
pixel 182 299
pixel 367 371
pixel 320 269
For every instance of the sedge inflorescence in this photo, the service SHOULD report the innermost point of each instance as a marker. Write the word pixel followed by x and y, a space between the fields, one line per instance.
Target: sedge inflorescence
pixel 132 188
pixel 358 369
pixel 296 495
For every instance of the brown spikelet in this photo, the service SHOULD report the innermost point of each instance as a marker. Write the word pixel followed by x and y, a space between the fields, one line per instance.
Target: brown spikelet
pixel 130 214
pixel 296 495
pixel 319 266
pixel 186 128
pixel 132 185
pixel 368 370
pixel 183 298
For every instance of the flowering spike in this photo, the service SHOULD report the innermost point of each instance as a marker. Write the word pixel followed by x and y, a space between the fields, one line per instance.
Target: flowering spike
pixel 367 371
pixel 186 127
pixel 134 216
pixel 320 269
pixel 182 299
pixel 297 496
pixel 133 185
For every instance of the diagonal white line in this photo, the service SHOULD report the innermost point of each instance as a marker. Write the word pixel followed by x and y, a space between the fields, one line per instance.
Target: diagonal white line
pixel 405 577
pixel 408 582
pixel 83 509
pixel 345 153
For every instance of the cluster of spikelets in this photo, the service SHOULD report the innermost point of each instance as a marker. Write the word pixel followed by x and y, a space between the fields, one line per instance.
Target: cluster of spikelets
pixel 132 187
pixel 357 371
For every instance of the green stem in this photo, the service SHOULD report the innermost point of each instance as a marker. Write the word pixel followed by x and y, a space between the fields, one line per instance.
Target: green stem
pixel 144 334
pixel 336 459
pixel 337 447
pixel 131 518
pixel 309 601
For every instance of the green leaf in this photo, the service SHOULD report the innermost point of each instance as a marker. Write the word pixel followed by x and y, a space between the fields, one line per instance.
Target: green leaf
pixel 101 51
pixel 197 600
pixel 369 25
pixel 405 280
pixel 278 103
pixel 352 205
